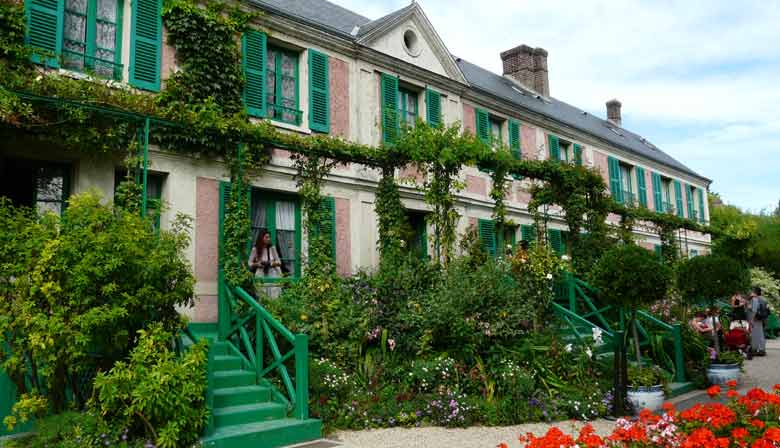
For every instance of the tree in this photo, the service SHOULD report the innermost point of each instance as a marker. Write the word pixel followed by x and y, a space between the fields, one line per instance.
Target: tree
pixel 74 291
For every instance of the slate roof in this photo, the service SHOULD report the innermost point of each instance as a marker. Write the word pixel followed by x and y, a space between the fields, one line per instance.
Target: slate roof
pixel 505 89
pixel 326 15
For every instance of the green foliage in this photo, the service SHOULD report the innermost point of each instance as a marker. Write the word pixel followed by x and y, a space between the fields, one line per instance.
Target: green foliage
pixel 770 286
pixel 710 277
pixel 74 291
pixel 155 395
pixel 535 272
pixel 630 276
pixel 646 376
pixel 727 357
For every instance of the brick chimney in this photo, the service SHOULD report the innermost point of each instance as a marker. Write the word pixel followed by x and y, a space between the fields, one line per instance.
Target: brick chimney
pixel 519 64
pixel 613 112
pixel 528 66
pixel 541 79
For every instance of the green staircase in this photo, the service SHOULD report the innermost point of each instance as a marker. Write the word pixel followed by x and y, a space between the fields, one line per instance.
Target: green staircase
pixel 247 410
pixel 245 414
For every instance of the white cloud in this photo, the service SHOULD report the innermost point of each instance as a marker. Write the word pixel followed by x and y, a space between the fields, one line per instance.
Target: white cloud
pixel 710 66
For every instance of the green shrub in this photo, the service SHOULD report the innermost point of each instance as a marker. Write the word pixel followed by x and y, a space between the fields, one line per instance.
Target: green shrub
pixel 630 276
pixel 154 394
pixel 639 376
pixel 710 277
pixel 75 290
pixel 770 286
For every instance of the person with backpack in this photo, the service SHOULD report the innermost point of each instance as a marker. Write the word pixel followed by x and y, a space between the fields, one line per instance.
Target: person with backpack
pixel 758 313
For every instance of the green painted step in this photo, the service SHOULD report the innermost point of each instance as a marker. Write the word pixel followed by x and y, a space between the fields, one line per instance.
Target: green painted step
pixel 248 413
pixel 676 389
pixel 268 434
pixel 233 378
pixel 224 362
pixel 235 396
pixel 219 348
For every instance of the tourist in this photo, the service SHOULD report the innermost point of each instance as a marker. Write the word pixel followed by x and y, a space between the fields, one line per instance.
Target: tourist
pixel 755 312
pixel 265 263
pixel 699 325
pixel 713 321
pixel 738 304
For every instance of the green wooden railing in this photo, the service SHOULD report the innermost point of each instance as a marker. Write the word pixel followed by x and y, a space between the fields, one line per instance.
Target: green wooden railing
pixel 253 336
pixel 575 304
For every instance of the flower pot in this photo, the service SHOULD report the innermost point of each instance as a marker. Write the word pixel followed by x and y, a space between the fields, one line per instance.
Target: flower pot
pixel 651 398
pixel 721 374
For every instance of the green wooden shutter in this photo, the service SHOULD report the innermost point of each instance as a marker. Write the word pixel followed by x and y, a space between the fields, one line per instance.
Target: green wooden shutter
pixel 146 44
pixel 615 186
pixel 514 139
pixel 527 233
pixel 658 198
pixel 578 154
pixel 554 146
pixel 483 125
pixel 689 200
pixel 44 27
pixel 642 186
pixel 700 192
pixel 390 127
pixel 433 107
pixel 658 249
pixel 556 240
pixel 319 94
pixel 487 234
pixel 678 198
pixel 254 51
pixel 328 224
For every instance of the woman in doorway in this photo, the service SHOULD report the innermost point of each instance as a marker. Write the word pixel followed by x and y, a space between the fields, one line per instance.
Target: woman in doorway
pixel 265 263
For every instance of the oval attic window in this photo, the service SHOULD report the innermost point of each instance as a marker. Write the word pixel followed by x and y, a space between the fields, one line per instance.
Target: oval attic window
pixel 411 44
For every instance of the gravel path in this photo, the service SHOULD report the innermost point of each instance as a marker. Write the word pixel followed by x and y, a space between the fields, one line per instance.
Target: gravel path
pixel 760 372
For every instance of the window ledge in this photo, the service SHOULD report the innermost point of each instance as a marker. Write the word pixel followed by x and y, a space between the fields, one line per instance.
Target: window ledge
pixel 286 126
pixel 85 77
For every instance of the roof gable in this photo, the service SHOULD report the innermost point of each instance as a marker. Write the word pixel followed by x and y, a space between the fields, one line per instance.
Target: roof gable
pixel 390 34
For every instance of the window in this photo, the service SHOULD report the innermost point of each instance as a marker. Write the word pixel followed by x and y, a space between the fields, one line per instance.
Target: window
pixel 92 36
pixel 495 131
pixel 627 184
pixel 39 184
pixel 417 233
pixel 154 187
pixel 407 107
pixel 282 85
pixel 280 214
pixel 667 188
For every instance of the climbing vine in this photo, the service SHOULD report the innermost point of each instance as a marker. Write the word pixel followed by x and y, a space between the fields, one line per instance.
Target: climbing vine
pixel 390 213
pixel 200 113
pixel 311 172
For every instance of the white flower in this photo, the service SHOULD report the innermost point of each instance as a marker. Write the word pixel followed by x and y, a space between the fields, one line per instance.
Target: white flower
pixel 508 246
pixel 549 277
pixel 589 352
pixel 568 348
pixel 403 243
pixel 597 336
pixel 565 257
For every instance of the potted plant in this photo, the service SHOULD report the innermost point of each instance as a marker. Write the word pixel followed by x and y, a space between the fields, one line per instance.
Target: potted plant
pixel 646 388
pixel 724 367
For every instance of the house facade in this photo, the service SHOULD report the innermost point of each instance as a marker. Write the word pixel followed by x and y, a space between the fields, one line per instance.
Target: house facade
pixel 314 67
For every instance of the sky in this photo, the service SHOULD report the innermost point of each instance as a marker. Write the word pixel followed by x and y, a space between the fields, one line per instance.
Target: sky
pixel 698 78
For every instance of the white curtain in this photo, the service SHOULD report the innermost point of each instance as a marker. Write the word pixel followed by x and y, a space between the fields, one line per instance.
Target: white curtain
pixel 258 217
pixel 285 234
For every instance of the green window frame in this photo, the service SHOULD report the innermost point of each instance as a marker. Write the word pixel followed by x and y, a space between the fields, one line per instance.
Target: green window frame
pixel 487 235
pixel 557 239
pixel 689 196
pixel 46 187
pixel 496 126
pixel 527 233
pixel 627 184
pixel 155 182
pixel 285 109
pixel 482 125
pixel 408 107
pixel 658 199
pixel 577 154
pixel 270 201
pixel 554 147
pixel 659 252
pixel 89 60
pixel 615 182
pixel 702 218
pixel 73 31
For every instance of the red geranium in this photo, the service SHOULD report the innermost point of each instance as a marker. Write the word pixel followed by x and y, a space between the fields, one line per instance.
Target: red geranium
pixel 731 384
pixel 589 438
pixel 555 438
pixel 713 391
pixel 715 415
pixel 703 437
